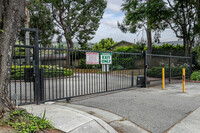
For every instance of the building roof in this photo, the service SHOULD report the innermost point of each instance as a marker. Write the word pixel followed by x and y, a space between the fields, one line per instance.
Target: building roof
pixel 119 43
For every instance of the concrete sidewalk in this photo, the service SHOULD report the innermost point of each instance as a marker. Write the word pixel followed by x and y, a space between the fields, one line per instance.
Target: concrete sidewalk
pixel 191 124
pixel 70 120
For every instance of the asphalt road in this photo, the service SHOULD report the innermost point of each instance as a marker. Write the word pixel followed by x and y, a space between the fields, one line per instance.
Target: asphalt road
pixel 153 109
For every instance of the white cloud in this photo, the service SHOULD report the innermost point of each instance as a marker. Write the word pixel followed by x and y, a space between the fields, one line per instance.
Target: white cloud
pixel 114 5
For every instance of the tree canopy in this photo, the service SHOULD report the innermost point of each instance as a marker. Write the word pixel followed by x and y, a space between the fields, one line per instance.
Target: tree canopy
pixel 183 19
pixel 41 18
pixel 78 19
pixel 182 16
pixel 140 15
pixel 104 44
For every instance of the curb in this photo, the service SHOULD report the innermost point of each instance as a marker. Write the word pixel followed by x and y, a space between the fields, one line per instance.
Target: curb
pixel 117 122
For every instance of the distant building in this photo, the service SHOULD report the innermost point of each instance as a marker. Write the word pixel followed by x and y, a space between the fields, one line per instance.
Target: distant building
pixel 121 43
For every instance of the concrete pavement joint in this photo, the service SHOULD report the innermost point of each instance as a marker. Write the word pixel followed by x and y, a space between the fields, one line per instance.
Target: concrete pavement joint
pixel 80 126
pixel 131 122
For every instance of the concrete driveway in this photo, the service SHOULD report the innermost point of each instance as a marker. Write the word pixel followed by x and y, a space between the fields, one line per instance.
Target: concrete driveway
pixel 153 109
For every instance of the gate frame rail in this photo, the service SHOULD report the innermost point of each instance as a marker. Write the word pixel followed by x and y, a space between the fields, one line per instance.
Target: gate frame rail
pixel 36 72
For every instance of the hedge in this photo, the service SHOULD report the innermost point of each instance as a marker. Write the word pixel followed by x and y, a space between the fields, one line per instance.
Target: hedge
pixel 17 72
pixel 156 72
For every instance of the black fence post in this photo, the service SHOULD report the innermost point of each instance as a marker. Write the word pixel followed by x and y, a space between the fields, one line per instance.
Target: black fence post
pixel 170 69
pixel 191 58
pixel 132 79
pixel 36 69
pixel 41 84
pixel 145 68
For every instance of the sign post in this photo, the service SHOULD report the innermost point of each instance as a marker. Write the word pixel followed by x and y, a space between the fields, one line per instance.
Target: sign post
pixel 106 59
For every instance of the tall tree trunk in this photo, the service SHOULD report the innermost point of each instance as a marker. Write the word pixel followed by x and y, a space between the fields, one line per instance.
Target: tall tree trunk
pixel 185 46
pixel 149 49
pixel 70 45
pixel 149 41
pixel 11 14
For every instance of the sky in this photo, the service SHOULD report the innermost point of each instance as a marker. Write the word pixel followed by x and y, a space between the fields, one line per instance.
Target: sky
pixel 108 26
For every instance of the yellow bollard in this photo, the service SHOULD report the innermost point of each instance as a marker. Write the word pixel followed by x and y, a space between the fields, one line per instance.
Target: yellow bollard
pixel 183 80
pixel 163 78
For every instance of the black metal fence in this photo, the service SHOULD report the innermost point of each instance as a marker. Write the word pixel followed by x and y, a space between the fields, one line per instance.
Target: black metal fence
pixel 40 74
pixel 173 66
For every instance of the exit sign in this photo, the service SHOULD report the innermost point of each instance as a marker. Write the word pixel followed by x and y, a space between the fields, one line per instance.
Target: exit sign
pixel 106 58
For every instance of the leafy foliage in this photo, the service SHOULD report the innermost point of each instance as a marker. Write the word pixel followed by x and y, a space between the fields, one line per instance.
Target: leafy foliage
pixel 41 18
pixel 176 71
pixel 195 76
pixel 139 14
pixel 24 122
pixel 104 44
pixel 167 49
pixel 78 19
pixel 197 56
pixel 135 48
pixel 183 20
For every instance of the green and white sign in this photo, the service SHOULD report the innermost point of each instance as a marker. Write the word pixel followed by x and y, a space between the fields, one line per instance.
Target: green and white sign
pixel 106 58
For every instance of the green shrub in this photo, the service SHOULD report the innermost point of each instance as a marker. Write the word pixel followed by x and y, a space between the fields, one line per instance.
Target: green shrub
pixel 197 56
pixel 135 48
pixel 17 72
pixel 118 67
pixel 19 51
pixel 195 76
pixel 24 122
pixel 156 72
pixel 167 48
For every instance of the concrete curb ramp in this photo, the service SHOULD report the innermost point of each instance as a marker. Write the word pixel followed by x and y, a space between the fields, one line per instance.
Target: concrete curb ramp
pixel 70 120
pixel 117 122
pixel 191 124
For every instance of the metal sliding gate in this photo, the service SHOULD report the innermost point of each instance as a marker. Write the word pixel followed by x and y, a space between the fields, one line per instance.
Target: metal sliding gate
pixel 40 74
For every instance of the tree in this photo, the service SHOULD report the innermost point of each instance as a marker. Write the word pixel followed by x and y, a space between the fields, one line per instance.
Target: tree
pixel 139 15
pixel 184 21
pixel 12 13
pixel 78 19
pixel 41 18
pixel 104 44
